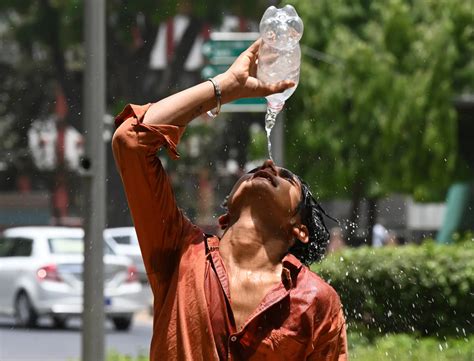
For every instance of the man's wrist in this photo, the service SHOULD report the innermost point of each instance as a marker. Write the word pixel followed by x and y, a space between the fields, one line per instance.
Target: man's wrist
pixel 218 93
pixel 228 87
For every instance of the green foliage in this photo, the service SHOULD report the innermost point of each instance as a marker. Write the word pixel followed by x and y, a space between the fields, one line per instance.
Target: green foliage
pixel 463 237
pixel 427 288
pixel 405 347
pixel 257 148
pixel 377 113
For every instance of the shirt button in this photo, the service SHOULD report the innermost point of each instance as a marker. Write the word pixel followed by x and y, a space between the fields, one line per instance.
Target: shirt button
pixel 233 338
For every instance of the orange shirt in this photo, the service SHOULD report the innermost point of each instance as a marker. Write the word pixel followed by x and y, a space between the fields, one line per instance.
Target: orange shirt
pixel 299 319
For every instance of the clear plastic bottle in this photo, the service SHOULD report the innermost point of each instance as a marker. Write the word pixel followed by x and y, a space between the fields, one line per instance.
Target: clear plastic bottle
pixel 279 57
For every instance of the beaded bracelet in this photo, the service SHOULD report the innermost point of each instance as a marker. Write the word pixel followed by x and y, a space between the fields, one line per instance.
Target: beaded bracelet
pixel 218 93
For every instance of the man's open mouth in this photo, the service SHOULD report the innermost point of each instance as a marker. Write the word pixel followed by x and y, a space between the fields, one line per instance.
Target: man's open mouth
pixel 267 175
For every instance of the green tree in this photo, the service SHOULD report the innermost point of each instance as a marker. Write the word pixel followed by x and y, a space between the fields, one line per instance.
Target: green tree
pixel 374 109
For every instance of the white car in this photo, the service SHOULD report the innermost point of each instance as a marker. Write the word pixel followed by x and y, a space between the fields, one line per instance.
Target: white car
pixel 124 241
pixel 41 275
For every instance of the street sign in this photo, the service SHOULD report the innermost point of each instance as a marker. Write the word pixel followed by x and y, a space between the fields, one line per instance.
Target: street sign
pixel 224 48
pixel 210 71
pixel 220 51
pixel 250 105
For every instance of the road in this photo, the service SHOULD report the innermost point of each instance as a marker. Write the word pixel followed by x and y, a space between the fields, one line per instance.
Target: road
pixel 46 343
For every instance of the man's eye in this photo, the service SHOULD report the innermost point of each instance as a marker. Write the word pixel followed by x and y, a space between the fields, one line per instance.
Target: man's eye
pixel 287 175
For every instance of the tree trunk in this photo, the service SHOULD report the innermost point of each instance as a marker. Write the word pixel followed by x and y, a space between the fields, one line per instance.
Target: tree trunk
pixel 354 215
pixel 371 218
pixel 68 82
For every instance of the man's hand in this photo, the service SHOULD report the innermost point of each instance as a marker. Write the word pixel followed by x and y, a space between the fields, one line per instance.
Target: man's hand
pixel 240 80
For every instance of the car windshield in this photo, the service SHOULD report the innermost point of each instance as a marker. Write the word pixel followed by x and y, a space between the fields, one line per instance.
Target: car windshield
pixel 64 245
pixel 126 240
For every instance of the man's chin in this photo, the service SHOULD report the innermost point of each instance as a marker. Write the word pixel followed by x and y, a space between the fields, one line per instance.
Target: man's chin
pixel 258 192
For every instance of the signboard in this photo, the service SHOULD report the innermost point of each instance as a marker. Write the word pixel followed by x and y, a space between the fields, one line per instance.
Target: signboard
pixel 220 52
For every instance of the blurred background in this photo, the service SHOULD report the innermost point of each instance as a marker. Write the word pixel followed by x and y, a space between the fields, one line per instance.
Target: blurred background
pixel 381 126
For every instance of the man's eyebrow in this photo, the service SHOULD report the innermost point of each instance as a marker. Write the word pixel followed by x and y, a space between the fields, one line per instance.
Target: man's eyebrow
pixel 288 173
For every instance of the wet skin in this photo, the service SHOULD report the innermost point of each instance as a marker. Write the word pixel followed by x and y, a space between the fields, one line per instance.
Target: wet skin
pixel 261 225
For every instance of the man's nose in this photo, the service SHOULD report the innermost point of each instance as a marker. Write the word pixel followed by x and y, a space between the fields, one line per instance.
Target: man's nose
pixel 269 164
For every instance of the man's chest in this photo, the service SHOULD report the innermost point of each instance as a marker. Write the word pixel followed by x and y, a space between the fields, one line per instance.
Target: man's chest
pixel 247 292
pixel 265 320
pixel 253 318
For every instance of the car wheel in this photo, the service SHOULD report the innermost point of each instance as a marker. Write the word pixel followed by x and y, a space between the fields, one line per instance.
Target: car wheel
pixel 122 323
pixel 59 322
pixel 25 315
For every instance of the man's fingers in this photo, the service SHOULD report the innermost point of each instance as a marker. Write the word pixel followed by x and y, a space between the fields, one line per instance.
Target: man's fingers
pixel 277 87
pixel 256 88
pixel 254 67
pixel 255 46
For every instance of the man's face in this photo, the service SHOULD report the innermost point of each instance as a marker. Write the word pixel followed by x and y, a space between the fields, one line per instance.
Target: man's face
pixel 271 190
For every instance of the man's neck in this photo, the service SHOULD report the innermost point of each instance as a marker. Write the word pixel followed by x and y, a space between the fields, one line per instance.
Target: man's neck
pixel 248 244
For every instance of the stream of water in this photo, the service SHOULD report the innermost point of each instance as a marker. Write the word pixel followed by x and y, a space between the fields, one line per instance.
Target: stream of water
pixel 270 119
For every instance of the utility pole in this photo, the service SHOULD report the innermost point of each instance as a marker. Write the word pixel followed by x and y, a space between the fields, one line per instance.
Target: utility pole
pixel 94 181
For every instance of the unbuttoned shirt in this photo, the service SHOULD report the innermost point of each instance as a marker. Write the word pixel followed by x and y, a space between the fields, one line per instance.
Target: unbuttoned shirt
pixel 300 318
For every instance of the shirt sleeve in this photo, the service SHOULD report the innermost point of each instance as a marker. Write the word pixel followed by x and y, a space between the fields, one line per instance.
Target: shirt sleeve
pixel 161 227
pixel 330 340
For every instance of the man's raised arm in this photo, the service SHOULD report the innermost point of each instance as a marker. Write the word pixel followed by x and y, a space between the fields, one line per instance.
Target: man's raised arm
pixel 239 81
pixel 142 130
pixel 160 225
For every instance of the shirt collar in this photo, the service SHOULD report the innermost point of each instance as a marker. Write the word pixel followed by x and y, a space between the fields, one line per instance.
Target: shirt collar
pixel 291 268
pixel 291 264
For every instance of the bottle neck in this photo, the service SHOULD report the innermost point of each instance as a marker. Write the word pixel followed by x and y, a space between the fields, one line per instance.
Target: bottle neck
pixel 275 106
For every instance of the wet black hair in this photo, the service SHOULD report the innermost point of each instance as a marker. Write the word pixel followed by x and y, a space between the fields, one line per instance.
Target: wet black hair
pixel 312 216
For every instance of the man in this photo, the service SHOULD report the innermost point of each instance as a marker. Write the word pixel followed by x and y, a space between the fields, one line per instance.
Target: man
pixel 244 296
